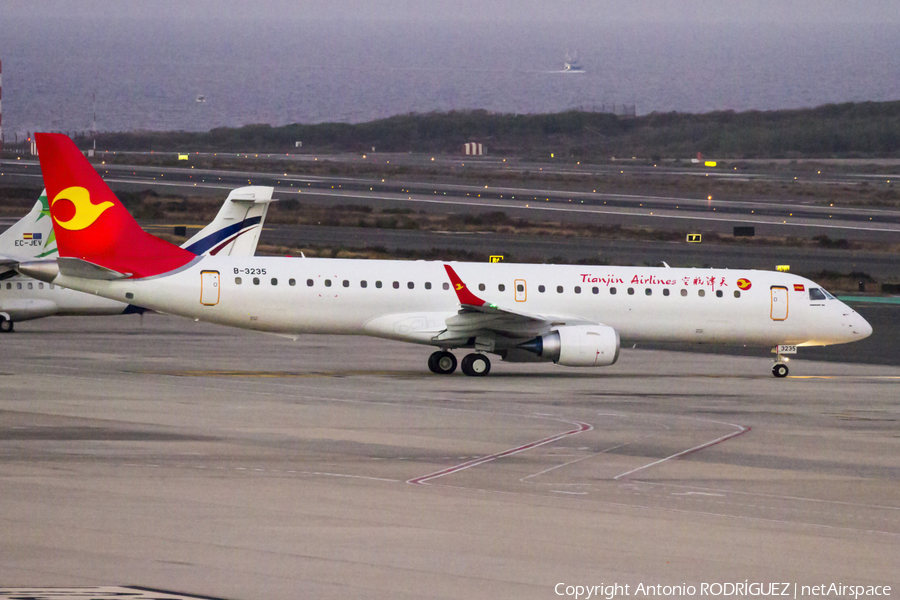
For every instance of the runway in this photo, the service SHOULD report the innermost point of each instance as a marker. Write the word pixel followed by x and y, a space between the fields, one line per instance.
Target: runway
pixel 183 456
pixel 769 216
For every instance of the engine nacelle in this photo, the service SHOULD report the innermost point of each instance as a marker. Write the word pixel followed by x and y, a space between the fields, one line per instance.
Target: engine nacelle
pixel 577 346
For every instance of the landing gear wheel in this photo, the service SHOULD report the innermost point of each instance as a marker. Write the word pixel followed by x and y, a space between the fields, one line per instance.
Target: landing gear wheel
pixel 442 362
pixel 6 326
pixel 780 370
pixel 476 365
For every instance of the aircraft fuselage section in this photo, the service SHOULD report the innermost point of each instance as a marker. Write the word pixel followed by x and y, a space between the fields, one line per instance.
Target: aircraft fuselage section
pixel 411 301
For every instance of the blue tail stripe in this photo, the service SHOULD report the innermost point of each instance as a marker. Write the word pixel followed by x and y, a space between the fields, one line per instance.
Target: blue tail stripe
pixel 203 245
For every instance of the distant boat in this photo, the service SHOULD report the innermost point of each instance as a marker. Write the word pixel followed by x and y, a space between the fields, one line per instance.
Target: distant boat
pixel 201 98
pixel 571 64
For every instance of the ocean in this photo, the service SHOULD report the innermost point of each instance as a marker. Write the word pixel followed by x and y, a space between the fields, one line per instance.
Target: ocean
pixel 147 75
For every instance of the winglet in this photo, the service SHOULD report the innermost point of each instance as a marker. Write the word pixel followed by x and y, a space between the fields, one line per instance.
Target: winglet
pixel 462 292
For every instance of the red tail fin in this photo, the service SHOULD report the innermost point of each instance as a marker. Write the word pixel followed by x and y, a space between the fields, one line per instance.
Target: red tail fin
pixel 89 221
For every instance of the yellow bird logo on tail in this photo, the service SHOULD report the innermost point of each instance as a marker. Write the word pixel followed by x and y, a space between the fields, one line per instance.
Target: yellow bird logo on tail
pixel 85 212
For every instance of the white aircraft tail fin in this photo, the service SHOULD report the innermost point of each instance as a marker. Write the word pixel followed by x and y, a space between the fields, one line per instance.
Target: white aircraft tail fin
pixel 235 230
pixel 30 237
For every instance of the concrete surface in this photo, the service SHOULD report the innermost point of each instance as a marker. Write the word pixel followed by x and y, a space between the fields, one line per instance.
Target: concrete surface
pixel 183 456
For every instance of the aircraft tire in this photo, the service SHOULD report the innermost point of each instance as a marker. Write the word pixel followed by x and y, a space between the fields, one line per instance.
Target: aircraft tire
pixel 6 325
pixel 780 370
pixel 476 365
pixel 442 362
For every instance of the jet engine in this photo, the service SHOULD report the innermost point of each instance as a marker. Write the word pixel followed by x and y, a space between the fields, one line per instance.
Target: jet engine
pixel 577 346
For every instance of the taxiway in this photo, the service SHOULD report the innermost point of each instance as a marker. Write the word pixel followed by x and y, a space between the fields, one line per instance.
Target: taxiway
pixel 184 456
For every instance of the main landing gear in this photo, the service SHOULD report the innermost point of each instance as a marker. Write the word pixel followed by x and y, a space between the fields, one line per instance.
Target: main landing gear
pixel 442 362
pixel 473 365
pixel 6 325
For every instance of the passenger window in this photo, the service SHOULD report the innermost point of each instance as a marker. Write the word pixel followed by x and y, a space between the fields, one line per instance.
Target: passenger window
pixel 396 285
pixel 519 287
pixel 327 283
pixel 701 293
pixel 595 290
pixel 446 286
pixel 346 283
pixel 502 288
pixel 480 287
pixel 719 293
pixel 684 292
pixel 378 284
pixel 410 285
pixel 612 291
pixel 238 281
pixel 648 292
pixel 40 286
pixel 363 283
pixel 559 289
pixel 52 287
pixel 292 282
pixel 737 293
pixel 427 285
pixel 631 291
pixel 9 286
pixel 256 281
pixel 18 286
pixel 577 289
pixel 30 286
pixel 309 282
pixel 665 291
pixel 274 281
pixel 541 289
pixel 816 294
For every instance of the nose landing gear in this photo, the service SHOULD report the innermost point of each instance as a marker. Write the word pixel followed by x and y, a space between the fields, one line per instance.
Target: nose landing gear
pixel 780 369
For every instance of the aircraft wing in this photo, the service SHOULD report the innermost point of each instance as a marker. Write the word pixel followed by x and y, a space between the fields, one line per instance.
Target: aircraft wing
pixel 478 317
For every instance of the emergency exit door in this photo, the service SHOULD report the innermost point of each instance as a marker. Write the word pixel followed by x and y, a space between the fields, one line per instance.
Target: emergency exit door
pixel 521 290
pixel 779 307
pixel 209 288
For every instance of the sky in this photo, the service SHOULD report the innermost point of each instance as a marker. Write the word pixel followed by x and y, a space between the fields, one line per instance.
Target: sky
pixel 661 11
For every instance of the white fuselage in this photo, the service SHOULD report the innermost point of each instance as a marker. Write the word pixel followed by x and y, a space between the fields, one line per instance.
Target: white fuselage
pixel 24 298
pixel 411 301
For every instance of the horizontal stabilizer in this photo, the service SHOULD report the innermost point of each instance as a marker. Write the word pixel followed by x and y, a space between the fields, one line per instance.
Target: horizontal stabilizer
pixel 76 267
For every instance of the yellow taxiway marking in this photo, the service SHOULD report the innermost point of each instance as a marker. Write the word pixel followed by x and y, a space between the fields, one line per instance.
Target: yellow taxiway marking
pixel 844 377
pixel 273 374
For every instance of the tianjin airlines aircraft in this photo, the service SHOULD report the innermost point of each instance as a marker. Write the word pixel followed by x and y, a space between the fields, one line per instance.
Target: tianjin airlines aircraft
pixel 569 315
pixel 234 232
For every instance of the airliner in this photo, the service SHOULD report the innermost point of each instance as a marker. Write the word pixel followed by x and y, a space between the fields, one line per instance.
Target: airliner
pixel 234 232
pixel 571 315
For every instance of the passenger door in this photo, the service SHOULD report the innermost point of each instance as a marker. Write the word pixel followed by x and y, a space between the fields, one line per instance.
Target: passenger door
pixel 209 288
pixel 779 305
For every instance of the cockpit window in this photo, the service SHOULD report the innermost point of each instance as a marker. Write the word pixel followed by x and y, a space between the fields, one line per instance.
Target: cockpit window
pixel 817 294
pixel 830 297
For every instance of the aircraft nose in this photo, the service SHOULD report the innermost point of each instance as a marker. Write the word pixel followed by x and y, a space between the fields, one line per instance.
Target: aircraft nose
pixel 857 326
pixel 862 327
